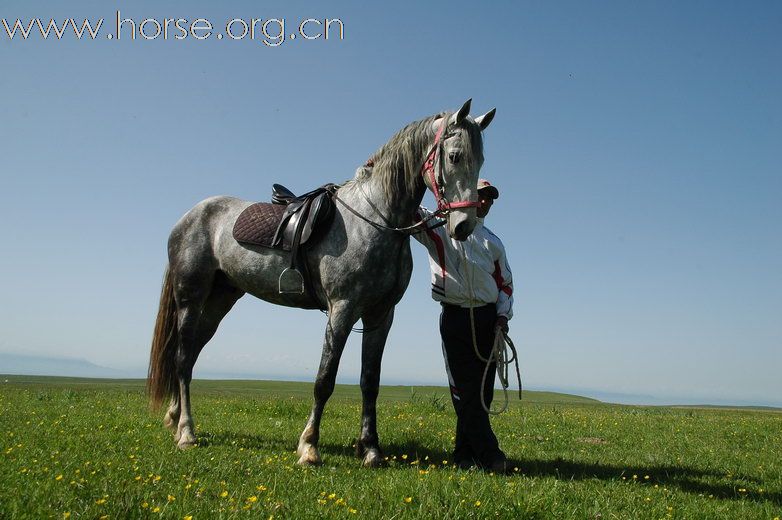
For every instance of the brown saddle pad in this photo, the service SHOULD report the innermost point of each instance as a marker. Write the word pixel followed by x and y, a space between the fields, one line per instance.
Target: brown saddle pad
pixel 258 223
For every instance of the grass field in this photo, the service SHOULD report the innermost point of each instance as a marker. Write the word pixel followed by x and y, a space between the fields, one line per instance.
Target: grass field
pixel 76 448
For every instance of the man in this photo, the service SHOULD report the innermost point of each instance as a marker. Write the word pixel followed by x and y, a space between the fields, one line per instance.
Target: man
pixel 471 274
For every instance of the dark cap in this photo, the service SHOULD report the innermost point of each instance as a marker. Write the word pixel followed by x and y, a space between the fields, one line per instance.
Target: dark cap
pixel 486 187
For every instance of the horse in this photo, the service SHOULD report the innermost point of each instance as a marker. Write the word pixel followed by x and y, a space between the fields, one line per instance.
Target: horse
pixel 358 269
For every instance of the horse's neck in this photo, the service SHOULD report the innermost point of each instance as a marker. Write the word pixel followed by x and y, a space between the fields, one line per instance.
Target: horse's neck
pixel 396 212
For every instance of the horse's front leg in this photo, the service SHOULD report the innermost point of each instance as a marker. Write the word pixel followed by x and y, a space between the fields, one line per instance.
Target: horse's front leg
pixel 341 319
pixel 375 333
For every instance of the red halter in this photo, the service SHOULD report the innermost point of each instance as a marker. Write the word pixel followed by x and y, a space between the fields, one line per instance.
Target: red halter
pixel 443 206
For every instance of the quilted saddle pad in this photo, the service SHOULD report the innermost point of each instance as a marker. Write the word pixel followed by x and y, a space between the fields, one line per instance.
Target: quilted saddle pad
pixel 258 223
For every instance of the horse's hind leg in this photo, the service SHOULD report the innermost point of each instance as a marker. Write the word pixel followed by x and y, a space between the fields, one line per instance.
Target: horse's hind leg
pixel 195 331
pixel 375 333
pixel 187 317
pixel 341 319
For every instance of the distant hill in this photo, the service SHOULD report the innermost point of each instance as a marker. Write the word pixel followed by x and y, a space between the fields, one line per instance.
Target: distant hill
pixel 24 365
pixel 49 366
pixel 424 394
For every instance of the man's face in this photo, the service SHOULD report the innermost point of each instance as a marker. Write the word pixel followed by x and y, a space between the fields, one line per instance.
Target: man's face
pixel 486 202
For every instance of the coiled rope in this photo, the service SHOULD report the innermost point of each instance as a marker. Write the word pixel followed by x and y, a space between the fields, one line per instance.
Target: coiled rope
pixel 499 351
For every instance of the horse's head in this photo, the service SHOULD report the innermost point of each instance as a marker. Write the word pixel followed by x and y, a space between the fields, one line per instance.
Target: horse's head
pixel 451 169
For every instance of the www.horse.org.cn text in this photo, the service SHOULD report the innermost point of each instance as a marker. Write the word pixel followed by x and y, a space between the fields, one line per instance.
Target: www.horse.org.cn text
pixel 270 32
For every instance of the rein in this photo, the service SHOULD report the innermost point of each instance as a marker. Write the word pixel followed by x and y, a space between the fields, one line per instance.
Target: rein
pixel 413 228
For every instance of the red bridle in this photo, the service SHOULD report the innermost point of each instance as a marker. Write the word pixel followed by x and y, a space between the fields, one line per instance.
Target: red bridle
pixel 443 206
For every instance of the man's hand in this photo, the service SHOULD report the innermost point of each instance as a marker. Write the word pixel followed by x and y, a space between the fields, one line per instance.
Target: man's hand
pixel 502 322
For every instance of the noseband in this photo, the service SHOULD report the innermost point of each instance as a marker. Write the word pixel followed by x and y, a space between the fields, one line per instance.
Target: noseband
pixel 443 206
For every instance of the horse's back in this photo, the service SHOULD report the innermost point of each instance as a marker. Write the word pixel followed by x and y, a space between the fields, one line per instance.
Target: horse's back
pixel 351 261
pixel 202 242
pixel 210 210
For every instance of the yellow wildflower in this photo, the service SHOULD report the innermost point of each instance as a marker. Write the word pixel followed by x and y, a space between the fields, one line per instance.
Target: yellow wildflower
pixel 224 493
pixel 407 500
pixel 170 498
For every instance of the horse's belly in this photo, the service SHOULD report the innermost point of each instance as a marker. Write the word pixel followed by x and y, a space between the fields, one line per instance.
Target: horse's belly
pixel 256 270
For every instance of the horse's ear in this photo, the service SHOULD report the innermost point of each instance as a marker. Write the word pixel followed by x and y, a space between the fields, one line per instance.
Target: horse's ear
pixel 463 112
pixel 484 120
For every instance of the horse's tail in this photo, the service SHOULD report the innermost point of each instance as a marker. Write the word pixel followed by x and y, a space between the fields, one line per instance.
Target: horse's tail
pixel 161 379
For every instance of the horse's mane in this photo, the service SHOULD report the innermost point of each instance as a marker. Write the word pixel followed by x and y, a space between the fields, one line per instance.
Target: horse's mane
pixel 398 162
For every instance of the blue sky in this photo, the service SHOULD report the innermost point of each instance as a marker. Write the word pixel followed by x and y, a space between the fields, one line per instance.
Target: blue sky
pixel 636 148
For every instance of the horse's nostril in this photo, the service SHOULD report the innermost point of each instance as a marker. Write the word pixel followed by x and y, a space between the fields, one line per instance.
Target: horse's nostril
pixel 462 229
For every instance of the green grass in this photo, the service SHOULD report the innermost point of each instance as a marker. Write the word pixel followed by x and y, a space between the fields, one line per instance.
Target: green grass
pixel 91 448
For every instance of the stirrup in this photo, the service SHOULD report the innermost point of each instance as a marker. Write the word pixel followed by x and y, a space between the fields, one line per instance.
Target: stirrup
pixel 290 282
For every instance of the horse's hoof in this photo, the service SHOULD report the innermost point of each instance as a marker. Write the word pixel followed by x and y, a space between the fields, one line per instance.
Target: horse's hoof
pixel 309 456
pixel 185 439
pixel 373 459
pixel 306 461
pixel 185 443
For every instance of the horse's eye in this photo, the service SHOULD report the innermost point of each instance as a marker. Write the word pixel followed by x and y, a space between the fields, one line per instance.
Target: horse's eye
pixel 455 157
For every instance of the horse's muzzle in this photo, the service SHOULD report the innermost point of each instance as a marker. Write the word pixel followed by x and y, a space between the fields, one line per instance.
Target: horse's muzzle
pixel 463 229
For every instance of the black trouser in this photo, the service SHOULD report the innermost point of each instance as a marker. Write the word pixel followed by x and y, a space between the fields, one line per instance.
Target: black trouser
pixel 475 439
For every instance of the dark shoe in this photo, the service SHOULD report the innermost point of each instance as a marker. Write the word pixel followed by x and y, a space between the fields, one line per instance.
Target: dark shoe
pixel 500 466
pixel 464 464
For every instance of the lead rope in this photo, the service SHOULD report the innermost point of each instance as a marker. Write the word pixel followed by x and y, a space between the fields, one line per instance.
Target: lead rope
pixel 499 350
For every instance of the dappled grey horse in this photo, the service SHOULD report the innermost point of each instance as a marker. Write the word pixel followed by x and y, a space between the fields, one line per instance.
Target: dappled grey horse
pixel 359 269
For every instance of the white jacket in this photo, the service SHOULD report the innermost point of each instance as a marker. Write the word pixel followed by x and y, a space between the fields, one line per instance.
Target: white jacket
pixel 485 268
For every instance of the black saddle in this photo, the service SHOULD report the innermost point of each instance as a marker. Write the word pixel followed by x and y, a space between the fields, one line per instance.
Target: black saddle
pixel 304 215
pixel 290 223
